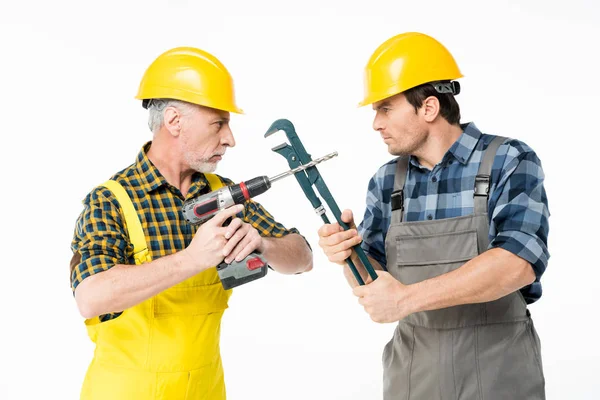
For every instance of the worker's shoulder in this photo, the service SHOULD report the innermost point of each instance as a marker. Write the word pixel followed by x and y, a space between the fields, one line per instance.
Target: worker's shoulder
pixel 128 178
pixel 510 149
pixel 509 144
pixel 384 176
pixel 388 166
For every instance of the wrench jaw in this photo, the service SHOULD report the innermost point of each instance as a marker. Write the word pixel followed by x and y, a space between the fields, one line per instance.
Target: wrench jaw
pixel 288 153
pixel 280 147
pixel 293 139
pixel 282 125
pixel 284 149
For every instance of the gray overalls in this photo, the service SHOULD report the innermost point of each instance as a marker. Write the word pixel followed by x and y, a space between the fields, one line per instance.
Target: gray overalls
pixel 485 351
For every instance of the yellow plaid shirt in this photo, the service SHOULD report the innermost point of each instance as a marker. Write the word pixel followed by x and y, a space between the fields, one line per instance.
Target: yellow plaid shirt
pixel 101 240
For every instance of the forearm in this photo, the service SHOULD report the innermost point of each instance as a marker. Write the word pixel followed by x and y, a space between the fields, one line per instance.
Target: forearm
pixel 360 269
pixel 288 254
pixel 487 277
pixel 124 286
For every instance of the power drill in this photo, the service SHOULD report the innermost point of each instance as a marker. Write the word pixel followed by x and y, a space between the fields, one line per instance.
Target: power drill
pixel 200 209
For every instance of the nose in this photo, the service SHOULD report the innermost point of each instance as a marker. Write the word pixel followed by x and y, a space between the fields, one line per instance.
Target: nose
pixel 227 138
pixel 378 122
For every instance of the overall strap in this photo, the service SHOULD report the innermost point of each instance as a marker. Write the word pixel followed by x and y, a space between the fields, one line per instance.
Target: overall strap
pixel 483 180
pixel 134 226
pixel 398 193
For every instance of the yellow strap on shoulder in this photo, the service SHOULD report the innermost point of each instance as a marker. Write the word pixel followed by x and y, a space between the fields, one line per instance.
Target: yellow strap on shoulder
pixel 134 227
pixel 214 182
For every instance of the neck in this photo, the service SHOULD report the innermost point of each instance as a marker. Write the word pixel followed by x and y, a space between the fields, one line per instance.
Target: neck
pixel 441 137
pixel 167 159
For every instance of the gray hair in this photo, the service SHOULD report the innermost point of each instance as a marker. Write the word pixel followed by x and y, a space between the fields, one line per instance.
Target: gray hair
pixel 156 108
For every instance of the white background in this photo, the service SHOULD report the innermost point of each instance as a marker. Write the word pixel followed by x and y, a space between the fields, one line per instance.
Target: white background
pixel 68 75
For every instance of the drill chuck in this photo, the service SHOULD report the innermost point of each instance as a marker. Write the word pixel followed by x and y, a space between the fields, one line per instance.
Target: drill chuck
pixel 247 190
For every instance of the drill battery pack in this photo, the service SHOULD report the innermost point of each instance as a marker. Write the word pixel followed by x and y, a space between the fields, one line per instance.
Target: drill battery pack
pixel 237 273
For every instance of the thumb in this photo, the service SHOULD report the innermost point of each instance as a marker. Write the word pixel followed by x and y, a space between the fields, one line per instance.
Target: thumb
pixel 221 216
pixel 348 218
pixel 379 272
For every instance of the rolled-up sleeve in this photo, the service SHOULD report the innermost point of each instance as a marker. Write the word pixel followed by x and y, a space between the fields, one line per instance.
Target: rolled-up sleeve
pixel 257 216
pixel 371 227
pixel 99 237
pixel 519 222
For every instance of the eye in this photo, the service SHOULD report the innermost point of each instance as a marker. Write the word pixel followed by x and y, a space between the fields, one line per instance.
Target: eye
pixel 220 124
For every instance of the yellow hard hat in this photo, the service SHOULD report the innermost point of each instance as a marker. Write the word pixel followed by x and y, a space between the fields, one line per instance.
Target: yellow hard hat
pixel 192 75
pixel 405 61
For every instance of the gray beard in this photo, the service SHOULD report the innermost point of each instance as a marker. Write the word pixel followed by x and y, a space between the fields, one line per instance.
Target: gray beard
pixel 204 167
pixel 201 166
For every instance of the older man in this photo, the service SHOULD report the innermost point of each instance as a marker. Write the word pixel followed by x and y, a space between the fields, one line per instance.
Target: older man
pixel 143 278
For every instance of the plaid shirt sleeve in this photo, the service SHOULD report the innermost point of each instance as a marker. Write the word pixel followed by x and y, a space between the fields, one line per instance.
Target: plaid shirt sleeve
pixel 257 216
pixel 519 221
pixel 99 237
pixel 373 228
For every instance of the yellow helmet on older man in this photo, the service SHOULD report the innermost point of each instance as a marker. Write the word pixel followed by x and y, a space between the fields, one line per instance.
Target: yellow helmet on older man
pixel 192 75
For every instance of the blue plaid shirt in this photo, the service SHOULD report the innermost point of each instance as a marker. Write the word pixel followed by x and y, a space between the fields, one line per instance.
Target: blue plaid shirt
pixel 517 206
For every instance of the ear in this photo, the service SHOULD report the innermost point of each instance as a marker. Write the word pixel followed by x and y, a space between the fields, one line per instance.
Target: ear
pixel 172 120
pixel 430 108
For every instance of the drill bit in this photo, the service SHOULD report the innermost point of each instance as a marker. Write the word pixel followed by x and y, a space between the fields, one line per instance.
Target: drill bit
pixel 303 167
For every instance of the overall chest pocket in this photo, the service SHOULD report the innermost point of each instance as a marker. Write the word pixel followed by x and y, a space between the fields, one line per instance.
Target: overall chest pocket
pixel 420 257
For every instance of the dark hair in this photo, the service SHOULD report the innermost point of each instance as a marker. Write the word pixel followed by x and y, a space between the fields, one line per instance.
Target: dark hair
pixel 449 108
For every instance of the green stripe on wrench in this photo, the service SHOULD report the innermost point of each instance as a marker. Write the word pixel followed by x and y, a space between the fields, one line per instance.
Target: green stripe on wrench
pixel 296 155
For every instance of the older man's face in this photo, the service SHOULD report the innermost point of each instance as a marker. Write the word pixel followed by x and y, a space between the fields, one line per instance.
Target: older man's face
pixel 205 136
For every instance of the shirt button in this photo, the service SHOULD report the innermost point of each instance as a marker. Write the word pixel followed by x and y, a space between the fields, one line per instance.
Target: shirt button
pixel 434 179
pixel 430 217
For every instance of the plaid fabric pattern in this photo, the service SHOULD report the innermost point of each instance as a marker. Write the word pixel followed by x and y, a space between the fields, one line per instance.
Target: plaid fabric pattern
pixel 517 207
pixel 101 237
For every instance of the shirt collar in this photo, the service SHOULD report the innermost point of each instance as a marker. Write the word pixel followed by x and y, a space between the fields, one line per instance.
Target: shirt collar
pixel 466 143
pixel 462 149
pixel 151 178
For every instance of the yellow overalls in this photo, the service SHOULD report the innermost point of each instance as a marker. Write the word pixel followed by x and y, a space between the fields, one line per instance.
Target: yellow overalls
pixel 166 347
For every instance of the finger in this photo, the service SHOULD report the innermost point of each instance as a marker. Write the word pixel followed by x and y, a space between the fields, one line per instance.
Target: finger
pixel 247 248
pixel 337 238
pixel 250 238
pixel 345 245
pixel 328 229
pixel 239 245
pixel 233 227
pixel 339 258
pixel 237 237
pixel 222 215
